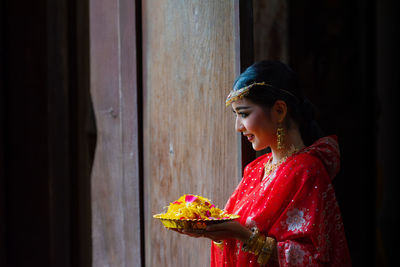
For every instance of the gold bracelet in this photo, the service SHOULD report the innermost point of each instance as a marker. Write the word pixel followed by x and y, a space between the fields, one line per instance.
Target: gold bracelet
pixel 266 251
pixel 258 245
pixel 249 245
pixel 255 243
pixel 219 244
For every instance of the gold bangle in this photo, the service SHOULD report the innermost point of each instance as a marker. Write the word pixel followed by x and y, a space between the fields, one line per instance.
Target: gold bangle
pixel 266 251
pixel 263 259
pixel 219 244
pixel 258 245
pixel 249 245
pixel 255 243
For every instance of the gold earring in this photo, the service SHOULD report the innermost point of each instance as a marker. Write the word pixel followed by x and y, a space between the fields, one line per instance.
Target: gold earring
pixel 280 135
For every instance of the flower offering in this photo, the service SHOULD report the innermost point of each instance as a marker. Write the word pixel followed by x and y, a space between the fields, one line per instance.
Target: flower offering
pixel 192 211
pixel 193 207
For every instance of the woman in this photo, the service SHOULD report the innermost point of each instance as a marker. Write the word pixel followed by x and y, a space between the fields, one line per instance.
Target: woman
pixel 289 213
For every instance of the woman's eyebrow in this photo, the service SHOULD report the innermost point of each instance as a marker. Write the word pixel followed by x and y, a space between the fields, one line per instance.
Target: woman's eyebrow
pixel 241 107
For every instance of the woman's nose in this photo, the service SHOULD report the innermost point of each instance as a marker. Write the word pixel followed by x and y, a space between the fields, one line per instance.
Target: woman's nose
pixel 238 125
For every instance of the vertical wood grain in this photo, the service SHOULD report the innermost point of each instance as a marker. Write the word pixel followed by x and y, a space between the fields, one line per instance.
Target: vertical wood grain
pixel 190 146
pixel 115 176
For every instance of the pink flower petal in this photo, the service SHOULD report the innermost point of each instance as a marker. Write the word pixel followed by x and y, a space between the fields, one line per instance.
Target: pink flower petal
pixel 208 213
pixel 212 206
pixel 177 202
pixel 190 198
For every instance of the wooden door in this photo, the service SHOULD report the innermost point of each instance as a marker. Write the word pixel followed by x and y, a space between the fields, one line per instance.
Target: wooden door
pixel 190 60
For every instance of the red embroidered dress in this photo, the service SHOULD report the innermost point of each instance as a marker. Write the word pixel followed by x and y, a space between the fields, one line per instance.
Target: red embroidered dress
pixel 296 205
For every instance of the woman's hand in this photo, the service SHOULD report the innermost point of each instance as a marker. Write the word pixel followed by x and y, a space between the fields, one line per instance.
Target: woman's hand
pixel 220 231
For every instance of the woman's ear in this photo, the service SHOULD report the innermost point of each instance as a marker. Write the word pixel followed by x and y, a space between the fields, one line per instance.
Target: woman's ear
pixel 280 110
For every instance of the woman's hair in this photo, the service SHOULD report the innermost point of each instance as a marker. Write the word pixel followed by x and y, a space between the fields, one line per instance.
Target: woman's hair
pixel 283 85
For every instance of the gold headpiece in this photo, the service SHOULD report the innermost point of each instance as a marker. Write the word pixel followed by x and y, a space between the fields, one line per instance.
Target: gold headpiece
pixel 238 94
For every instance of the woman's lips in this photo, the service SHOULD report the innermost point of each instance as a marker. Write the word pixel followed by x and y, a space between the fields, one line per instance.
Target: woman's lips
pixel 250 137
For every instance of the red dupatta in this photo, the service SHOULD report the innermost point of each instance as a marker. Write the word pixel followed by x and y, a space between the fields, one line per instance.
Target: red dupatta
pixel 296 205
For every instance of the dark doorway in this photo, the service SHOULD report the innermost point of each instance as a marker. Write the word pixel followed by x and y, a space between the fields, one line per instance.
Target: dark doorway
pixel 48 134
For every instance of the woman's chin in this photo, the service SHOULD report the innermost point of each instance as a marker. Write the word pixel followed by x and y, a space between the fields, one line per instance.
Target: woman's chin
pixel 257 147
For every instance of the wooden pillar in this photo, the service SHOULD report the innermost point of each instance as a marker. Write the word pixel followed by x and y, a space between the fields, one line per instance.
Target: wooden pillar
pixel 190 60
pixel 115 176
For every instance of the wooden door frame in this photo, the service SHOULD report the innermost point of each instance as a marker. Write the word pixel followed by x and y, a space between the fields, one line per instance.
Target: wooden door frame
pixel 117 237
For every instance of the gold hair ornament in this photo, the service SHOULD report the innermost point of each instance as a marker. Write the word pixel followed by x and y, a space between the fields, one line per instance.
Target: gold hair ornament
pixel 239 94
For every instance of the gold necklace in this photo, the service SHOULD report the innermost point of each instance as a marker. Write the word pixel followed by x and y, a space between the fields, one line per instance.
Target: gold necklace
pixel 270 167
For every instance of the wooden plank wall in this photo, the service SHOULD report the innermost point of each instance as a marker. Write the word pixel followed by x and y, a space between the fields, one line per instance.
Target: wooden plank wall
pixel 190 60
pixel 115 176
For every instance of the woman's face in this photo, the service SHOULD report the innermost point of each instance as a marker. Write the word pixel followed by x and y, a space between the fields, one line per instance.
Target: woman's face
pixel 253 122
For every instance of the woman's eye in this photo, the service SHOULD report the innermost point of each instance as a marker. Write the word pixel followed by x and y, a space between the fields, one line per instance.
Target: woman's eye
pixel 241 114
